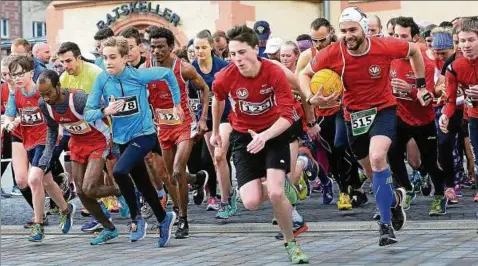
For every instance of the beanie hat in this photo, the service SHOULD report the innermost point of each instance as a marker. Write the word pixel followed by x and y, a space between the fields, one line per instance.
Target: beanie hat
pixel 442 40
pixel 356 15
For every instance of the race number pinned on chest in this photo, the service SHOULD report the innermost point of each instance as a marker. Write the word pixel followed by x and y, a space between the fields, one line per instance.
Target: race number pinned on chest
pixel 130 106
pixel 31 116
pixel 167 117
pixel 195 104
pixel 77 128
pixel 362 121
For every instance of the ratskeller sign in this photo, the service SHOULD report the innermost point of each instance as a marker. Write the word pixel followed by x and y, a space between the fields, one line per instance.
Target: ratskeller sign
pixel 139 7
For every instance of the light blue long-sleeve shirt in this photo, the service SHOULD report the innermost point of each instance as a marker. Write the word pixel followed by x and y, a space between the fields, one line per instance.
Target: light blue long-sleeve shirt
pixel 135 119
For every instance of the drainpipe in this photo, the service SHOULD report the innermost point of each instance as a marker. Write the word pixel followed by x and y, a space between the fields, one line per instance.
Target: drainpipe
pixel 327 9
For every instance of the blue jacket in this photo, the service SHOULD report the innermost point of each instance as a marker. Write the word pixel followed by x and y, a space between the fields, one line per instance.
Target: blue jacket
pixel 39 67
pixel 135 119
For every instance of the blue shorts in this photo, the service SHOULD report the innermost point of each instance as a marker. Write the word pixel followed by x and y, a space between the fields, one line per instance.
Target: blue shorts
pixel 35 154
pixel 385 124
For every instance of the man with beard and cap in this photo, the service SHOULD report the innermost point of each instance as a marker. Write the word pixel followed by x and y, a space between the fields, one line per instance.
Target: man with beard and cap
pixel 369 105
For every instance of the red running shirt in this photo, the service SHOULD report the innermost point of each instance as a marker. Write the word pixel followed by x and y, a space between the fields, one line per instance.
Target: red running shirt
pixel 256 103
pixel 366 76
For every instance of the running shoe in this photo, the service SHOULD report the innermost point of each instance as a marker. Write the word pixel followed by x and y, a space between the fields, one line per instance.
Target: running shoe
pixel 138 229
pixel 146 211
pixel 104 236
pixel 183 229
pixel 123 207
pixel 223 211
pixel 426 185
pixel 30 223
pixel 302 187
pixel 176 211
pixel 399 217
pixel 198 189
pixel 387 237
pixel 311 167
pixel 410 198
pixel 165 229
pixel 290 191
pixel 233 199
pixel 328 192
pixel 416 180
pixel 212 204
pixel 84 212
pixel 344 204
pixel 438 206
pixel 37 233
pixel 451 196
pixel 296 256
pixel 66 220
pixel 91 225
pixel 376 214
pixel 358 199
pixel 53 210
pixel 4 194
pixel 298 227
pixel 458 192
pixel 16 191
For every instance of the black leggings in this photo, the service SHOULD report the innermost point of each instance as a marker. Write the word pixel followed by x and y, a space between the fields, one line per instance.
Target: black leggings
pixel 131 163
pixel 426 138
pixel 446 143
pixel 200 159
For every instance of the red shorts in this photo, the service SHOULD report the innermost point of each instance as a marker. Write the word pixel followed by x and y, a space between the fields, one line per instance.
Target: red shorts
pixel 83 152
pixel 171 136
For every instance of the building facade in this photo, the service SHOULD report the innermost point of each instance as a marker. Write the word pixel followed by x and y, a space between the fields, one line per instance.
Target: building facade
pixel 34 19
pixel 78 21
pixel 11 20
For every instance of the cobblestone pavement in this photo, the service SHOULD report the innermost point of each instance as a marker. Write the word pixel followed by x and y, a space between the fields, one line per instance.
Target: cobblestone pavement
pixel 351 248
pixel 15 211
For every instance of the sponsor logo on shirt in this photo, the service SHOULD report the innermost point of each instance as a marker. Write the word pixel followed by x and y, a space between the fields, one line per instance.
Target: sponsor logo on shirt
pixel 374 71
pixel 242 93
pixel 65 119
pixel 266 90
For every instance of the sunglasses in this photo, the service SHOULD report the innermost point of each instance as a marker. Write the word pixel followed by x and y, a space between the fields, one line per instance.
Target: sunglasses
pixel 319 40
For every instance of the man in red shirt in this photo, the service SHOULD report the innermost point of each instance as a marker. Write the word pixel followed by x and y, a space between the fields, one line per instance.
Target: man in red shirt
pixel 414 120
pixel 370 107
pixel 261 112
pixel 463 71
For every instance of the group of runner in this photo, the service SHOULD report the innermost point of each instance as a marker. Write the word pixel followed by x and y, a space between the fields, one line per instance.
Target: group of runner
pixel 146 122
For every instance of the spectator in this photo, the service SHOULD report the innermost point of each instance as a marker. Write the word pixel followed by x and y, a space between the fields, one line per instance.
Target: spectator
pixel 220 43
pixel 100 37
pixel 304 42
pixel 374 26
pixel 263 31
pixel 57 65
pixel 273 48
pixel 391 26
pixel 21 47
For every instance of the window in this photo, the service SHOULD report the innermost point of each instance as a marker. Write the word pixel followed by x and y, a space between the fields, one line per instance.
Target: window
pixel 39 29
pixel 5 28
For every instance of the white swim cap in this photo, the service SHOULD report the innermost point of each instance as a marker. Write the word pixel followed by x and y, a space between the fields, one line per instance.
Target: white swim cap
pixel 354 14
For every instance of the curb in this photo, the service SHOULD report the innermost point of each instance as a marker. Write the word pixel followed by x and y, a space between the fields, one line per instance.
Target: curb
pixel 266 228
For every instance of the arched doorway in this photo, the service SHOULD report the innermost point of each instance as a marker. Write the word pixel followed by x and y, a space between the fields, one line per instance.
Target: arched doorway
pixel 142 21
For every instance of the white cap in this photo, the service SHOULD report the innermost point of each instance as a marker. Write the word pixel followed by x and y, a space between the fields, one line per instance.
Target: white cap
pixel 273 45
pixel 356 15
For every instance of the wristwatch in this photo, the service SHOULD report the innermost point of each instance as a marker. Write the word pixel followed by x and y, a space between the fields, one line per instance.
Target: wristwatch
pixel 311 124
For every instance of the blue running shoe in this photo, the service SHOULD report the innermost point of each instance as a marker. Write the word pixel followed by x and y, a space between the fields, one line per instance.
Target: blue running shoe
pixel 124 210
pixel 104 236
pixel 91 225
pixel 328 192
pixel 66 220
pixel 105 210
pixel 138 229
pixel 165 229
pixel 37 233
pixel 311 167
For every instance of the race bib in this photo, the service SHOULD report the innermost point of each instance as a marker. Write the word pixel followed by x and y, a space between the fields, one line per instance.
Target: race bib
pixel 362 121
pixel 167 117
pixel 130 106
pixel 77 128
pixel 31 116
pixel 195 104
pixel 252 108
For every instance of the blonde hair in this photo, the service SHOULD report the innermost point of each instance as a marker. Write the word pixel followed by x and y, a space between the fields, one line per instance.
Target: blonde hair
pixel 7 60
pixel 119 42
pixel 446 30
pixel 294 45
